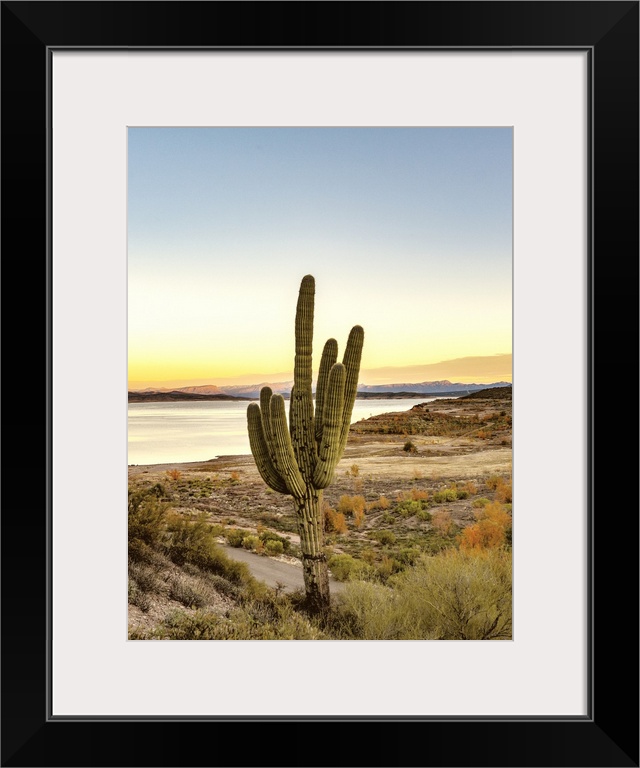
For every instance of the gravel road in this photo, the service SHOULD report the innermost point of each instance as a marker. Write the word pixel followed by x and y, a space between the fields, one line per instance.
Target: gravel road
pixel 273 571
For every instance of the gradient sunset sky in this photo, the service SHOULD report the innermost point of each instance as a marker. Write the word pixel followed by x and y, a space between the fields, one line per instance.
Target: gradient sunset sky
pixel 407 231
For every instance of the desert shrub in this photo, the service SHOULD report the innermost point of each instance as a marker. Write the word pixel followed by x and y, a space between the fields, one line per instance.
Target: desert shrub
pixel 471 595
pixel 388 518
pixel 345 567
pixel 213 581
pixel 447 495
pixel 365 612
pixel 334 522
pixel 490 530
pixel 409 447
pixel 504 492
pixel 273 548
pixel 452 596
pixel 381 503
pixel 145 577
pixel 481 502
pixel 461 493
pixel 358 518
pixel 441 522
pixel 235 536
pixel 193 542
pixel 387 567
pixel 267 536
pixel 139 552
pixel 355 470
pixel 493 482
pixel 384 537
pixel 368 555
pixel 174 474
pixel 470 487
pixel 409 508
pixel 349 505
pixel 245 623
pixel 408 555
pixel 437 543
pixel 183 590
pixel 250 542
pixel 147 515
pixel 418 495
pixel 234 477
pixel 224 586
pixel 140 599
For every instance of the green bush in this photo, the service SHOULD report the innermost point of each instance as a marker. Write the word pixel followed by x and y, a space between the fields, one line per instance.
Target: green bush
pixel 345 567
pixel 147 515
pixel 452 596
pixel 449 494
pixel 274 548
pixel 139 552
pixel 384 537
pixel 194 542
pixel 408 555
pixel 410 507
pixel 250 542
pixel 235 536
pixel 267 536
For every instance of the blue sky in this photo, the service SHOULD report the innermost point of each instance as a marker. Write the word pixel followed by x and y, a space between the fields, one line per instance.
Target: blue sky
pixel 407 232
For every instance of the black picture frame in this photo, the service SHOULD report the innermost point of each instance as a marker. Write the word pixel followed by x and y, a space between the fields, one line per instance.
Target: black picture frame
pixel 608 735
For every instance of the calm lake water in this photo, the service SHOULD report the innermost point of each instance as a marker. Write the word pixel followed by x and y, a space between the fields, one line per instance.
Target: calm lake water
pixel 162 433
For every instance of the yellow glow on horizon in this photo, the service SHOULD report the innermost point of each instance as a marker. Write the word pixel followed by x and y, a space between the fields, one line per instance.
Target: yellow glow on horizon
pixel 478 369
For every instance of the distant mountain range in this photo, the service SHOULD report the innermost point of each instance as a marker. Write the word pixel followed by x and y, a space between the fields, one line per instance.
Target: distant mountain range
pixel 252 391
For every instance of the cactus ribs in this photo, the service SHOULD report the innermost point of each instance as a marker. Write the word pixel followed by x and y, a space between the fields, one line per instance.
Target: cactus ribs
pixel 299 460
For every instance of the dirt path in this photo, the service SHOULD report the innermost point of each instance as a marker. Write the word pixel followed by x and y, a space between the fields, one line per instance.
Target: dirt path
pixel 275 572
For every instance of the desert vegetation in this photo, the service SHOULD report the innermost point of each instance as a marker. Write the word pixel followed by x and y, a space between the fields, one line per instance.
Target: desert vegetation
pixel 420 544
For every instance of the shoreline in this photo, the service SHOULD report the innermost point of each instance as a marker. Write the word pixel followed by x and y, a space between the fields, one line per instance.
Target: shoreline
pixel 473 429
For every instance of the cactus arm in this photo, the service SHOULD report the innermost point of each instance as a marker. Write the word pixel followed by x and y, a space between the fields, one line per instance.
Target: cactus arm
pixel 301 424
pixel 328 453
pixel 328 359
pixel 265 409
pixel 285 458
pixel 304 333
pixel 260 452
pixel 351 361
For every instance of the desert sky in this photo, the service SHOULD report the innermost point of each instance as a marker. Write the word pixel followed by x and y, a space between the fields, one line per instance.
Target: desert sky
pixel 407 231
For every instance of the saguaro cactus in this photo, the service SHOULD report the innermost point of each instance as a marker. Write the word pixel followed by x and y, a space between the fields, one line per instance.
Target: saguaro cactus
pixel 300 460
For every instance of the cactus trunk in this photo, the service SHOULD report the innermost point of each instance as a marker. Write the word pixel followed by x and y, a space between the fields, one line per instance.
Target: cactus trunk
pixel 314 561
pixel 300 458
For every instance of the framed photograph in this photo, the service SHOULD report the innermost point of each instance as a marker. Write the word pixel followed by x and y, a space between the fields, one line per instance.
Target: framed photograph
pixel 83 83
